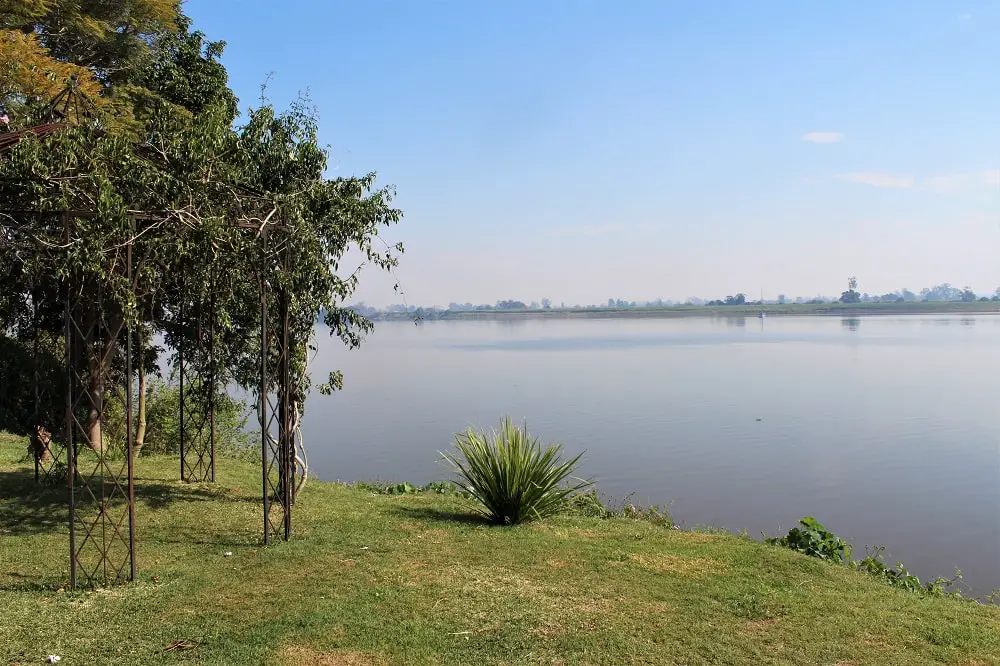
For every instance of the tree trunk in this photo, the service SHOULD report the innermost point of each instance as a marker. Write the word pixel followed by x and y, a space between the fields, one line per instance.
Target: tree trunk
pixel 40 444
pixel 96 381
pixel 140 427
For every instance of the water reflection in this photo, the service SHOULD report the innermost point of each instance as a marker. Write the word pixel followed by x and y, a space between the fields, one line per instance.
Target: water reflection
pixel 968 321
pixel 851 323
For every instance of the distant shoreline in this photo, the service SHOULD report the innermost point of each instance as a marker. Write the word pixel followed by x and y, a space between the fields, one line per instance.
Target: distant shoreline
pixel 771 310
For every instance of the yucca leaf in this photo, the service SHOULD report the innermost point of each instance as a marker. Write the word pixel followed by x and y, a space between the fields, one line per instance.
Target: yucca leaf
pixel 511 476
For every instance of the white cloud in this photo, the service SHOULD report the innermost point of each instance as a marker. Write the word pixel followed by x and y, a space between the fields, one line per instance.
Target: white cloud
pixel 877 179
pixel 823 137
pixel 992 177
pixel 947 184
pixel 964 17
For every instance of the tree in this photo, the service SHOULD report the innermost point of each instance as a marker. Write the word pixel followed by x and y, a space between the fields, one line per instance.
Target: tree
pixel 738 299
pixel 851 295
pixel 165 139
pixel 968 296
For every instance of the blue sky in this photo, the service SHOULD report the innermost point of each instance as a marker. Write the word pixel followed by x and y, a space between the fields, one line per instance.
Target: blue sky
pixel 583 150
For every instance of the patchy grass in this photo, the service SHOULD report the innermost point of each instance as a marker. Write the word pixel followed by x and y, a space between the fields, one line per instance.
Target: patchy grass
pixel 416 579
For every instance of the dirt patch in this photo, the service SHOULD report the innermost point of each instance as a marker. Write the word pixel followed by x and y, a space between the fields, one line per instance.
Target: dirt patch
pixel 690 567
pixel 759 626
pixel 557 564
pixel 302 656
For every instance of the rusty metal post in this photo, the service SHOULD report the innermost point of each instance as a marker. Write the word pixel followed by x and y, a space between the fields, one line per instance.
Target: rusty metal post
pixel 263 410
pixel 211 370
pixel 287 467
pixel 129 429
pixel 70 430
pixel 180 366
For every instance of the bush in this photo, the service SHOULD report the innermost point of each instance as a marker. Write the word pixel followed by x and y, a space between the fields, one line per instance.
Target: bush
pixel 815 540
pixel 511 476
pixel 163 435
pixel 163 423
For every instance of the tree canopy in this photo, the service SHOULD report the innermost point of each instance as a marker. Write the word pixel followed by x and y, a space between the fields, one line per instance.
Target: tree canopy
pixel 165 136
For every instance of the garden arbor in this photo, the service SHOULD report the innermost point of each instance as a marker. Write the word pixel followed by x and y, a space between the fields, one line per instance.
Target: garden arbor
pixel 98 310
pixel 160 215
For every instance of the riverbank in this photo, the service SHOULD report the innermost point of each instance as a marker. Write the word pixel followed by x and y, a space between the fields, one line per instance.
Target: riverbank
pixel 414 579
pixel 771 310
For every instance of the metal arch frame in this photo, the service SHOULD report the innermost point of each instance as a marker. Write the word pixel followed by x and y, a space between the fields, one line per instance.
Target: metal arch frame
pixel 101 485
pixel 101 491
pixel 274 400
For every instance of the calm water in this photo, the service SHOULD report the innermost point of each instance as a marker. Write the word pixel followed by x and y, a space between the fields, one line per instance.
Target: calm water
pixel 886 429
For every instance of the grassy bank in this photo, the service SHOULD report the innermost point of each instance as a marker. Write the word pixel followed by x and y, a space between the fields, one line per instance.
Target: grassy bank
pixel 413 579
pixel 788 310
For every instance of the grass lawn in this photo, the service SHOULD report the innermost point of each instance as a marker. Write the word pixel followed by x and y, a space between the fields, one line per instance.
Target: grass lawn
pixel 413 579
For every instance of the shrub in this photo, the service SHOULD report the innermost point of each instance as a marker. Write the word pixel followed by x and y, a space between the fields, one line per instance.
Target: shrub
pixel 815 540
pixel 511 476
pixel 163 434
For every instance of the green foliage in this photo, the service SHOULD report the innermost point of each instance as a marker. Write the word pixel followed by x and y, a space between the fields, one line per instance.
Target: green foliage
pixel 901 577
pixel 163 424
pixel 220 185
pixel 404 488
pixel 511 476
pixel 814 540
pixel 163 419
pixel 591 505
pixel 19 363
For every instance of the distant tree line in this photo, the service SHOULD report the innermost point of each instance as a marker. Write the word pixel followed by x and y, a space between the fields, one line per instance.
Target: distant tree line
pixel 941 292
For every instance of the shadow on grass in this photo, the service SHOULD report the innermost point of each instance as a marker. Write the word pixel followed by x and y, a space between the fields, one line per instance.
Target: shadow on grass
pixel 425 513
pixel 28 508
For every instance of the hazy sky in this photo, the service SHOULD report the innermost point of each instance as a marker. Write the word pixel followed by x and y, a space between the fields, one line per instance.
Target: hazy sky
pixel 642 149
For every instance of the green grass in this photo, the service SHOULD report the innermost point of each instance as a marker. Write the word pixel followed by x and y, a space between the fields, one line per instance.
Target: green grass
pixel 414 579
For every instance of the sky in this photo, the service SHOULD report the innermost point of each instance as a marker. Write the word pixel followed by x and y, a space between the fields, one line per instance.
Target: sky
pixel 581 150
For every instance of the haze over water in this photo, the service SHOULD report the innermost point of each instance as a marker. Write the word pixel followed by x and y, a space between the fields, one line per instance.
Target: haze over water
pixel 883 428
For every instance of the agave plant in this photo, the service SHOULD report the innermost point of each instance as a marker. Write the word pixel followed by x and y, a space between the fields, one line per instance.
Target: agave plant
pixel 511 475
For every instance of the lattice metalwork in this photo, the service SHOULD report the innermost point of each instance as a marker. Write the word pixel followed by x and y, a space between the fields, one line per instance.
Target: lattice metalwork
pixel 48 446
pixel 47 443
pixel 99 425
pixel 274 407
pixel 197 372
pixel 92 356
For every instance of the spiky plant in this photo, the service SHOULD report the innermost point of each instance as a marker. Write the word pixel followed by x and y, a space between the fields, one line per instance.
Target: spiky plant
pixel 511 475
